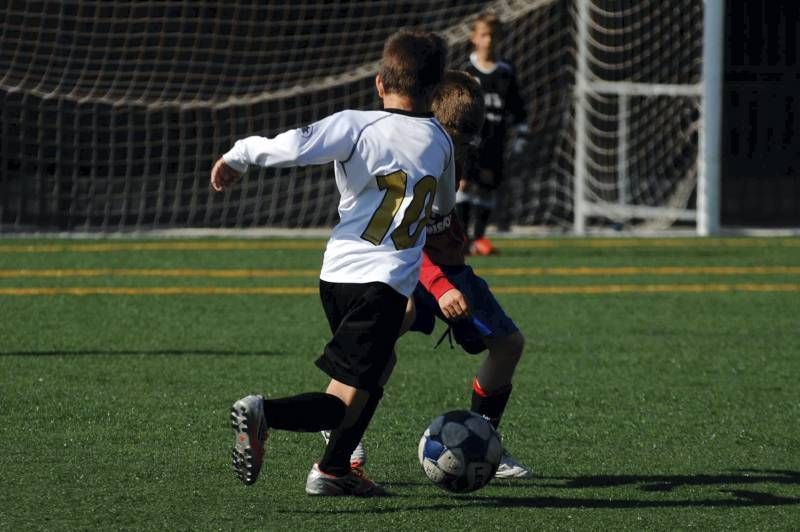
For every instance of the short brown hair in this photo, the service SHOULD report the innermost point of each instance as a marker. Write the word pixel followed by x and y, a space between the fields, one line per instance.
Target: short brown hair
pixel 458 104
pixel 491 20
pixel 413 63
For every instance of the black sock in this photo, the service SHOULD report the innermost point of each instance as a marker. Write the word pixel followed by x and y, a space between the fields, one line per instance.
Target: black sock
pixel 490 405
pixel 336 460
pixel 463 211
pixel 481 221
pixel 307 412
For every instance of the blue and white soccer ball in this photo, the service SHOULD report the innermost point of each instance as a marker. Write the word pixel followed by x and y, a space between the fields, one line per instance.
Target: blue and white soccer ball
pixel 460 451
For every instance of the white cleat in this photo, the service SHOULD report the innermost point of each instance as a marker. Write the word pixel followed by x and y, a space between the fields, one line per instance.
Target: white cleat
pixel 511 468
pixel 359 457
pixel 247 419
pixel 355 482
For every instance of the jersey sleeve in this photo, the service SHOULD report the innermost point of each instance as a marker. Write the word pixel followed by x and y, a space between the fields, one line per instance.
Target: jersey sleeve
pixel 433 278
pixel 446 188
pixel 330 139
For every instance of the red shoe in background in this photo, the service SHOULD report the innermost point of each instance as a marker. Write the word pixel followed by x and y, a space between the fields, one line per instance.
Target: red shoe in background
pixel 482 246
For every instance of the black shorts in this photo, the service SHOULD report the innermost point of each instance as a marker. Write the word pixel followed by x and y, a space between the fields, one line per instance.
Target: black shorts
pixel 365 320
pixel 491 168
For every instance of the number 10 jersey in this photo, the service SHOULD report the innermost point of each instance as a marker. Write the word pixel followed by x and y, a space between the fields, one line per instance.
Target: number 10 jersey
pixel 392 168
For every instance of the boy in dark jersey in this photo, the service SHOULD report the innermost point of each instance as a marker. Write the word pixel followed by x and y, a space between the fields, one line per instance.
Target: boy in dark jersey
pixel 477 195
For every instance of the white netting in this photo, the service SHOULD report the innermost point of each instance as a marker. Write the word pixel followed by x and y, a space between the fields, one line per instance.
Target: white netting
pixel 642 105
pixel 112 111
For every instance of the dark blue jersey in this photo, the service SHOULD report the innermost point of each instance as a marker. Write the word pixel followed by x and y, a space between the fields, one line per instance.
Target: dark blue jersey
pixel 504 107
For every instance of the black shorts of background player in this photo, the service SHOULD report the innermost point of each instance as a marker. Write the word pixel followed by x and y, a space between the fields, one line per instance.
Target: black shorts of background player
pixel 478 194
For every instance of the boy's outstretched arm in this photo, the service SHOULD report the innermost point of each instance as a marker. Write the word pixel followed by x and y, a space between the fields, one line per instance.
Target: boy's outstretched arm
pixel 329 139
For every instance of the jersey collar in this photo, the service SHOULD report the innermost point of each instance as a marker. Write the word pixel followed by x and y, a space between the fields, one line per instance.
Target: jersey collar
pixel 407 113
pixel 473 58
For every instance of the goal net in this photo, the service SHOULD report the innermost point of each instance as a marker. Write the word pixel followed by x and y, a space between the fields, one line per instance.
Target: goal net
pixel 638 100
pixel 113 111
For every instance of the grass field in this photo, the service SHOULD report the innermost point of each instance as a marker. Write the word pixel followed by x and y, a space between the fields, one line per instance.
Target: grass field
pixel 658 390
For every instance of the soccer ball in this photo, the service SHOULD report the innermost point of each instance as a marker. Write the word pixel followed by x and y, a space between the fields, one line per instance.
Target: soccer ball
pixel 460 451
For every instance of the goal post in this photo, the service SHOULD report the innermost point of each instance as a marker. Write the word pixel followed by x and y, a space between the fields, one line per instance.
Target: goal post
pixel 710 179
pixel 647 114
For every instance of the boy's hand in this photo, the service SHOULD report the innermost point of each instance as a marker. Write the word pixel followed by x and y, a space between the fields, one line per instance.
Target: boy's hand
pixel 454 305
pixel 222 176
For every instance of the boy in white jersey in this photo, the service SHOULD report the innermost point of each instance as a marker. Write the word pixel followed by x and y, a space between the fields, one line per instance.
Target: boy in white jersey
pixel 449 289
pixel 393 168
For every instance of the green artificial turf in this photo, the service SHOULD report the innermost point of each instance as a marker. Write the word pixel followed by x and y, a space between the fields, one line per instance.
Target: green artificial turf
pixel 638 410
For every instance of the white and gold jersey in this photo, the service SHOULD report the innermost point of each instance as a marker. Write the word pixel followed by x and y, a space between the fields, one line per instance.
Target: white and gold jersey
pixel 392 169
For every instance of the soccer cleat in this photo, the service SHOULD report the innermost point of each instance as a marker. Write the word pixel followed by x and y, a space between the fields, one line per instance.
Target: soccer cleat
pixel 247 419
pixel 359 457
pixel 511 468
pixel 482 246
pixel 354 482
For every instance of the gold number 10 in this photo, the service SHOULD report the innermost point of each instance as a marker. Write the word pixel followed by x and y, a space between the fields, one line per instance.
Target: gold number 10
pixel 395 186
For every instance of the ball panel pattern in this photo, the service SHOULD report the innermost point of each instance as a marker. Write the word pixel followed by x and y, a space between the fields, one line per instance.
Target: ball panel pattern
pixel 454 434
pixel 460 451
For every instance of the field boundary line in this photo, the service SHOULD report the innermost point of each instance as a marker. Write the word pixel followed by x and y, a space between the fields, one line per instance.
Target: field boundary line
pixel 296 290
pixel 251 245
pixel 647 289
pixel 236 273
pixel 109 247
pixel 159 290
pixel 158 272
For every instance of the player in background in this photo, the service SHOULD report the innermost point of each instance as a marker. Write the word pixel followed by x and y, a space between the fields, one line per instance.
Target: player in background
pixel 478 195
pixel 388 165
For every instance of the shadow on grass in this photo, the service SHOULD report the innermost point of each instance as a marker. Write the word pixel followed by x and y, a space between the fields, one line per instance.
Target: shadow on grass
pixel 654 484
pixel 669 482
pixel 153 352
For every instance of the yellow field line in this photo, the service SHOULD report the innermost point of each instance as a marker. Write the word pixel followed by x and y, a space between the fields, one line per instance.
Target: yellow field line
pixel 531 290
pixel 159 291
pixel 311 273
pixel 655 242
pixel 646 289
pixel 158 272
pixel 642 270
pixel 257 245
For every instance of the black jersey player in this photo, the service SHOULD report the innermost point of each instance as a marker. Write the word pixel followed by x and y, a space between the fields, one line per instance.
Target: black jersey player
pixel 504 108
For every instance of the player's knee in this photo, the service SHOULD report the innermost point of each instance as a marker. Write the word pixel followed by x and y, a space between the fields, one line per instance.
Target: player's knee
pixel 511 346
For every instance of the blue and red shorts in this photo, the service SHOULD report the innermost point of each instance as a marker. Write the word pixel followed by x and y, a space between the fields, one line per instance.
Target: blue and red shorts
pixel 488 317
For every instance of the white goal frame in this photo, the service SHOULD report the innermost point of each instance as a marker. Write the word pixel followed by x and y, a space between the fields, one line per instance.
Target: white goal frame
pixel 707 214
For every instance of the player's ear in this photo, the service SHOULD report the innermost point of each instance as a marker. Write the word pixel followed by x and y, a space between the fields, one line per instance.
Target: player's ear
pixel 379 85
